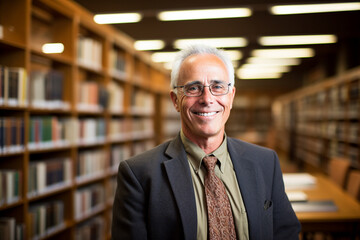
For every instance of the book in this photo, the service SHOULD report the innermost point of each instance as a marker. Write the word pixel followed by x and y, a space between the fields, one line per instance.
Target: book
pixel 314 206
pixel 13 86
pixel 7 228
pixel 49 174
pixel 45 218
pixel 10 186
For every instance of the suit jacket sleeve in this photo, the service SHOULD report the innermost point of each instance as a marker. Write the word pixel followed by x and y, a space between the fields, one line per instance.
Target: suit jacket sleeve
pixel 286 224
pixel 129 207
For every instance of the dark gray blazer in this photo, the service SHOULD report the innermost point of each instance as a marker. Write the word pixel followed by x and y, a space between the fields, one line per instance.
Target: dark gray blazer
pixel 155 197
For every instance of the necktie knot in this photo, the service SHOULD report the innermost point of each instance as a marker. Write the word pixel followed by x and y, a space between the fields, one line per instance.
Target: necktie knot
pixel 210 162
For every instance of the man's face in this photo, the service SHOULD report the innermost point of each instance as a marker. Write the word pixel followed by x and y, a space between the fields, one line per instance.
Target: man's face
pixel 204 116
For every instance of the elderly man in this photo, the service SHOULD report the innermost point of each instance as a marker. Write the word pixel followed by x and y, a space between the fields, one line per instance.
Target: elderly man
pixel 203 184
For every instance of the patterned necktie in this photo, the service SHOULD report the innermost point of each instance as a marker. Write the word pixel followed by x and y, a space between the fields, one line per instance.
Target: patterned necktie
pixel 220 219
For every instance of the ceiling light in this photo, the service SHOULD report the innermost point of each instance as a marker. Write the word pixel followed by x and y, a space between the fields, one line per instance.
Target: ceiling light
pixel 297 40
pixel 241 75
pixel 214 42
pixel 314 8
pixel 114 18
pixel 284 53
pixel 163 56
pixel 274 61
pixel 204 14
pixel 50 48
pixel 234 55
pixel 145 45
pixel 259 68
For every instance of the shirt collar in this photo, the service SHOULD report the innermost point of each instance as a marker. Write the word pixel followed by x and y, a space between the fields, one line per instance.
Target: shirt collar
pixel 196 154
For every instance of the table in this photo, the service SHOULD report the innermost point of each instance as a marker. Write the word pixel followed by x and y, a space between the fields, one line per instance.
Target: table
pixel 344 220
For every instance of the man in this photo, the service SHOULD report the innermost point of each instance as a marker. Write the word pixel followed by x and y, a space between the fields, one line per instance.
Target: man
pixel 162 193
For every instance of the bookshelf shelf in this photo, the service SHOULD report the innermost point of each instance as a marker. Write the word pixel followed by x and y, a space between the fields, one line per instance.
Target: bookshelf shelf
pixel 323 121
pixel 96 95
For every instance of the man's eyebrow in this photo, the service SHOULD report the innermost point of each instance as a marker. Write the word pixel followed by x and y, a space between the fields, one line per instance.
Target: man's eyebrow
pixel 217 81
pixel 194 82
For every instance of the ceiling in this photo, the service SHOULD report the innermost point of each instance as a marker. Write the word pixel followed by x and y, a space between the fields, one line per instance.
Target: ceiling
pixel 345 25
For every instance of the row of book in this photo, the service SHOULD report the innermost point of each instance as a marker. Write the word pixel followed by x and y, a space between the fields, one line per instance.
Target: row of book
pixel 111 190
pixel 89 53
pixel 88 200
pixel 46 218
pixel 13 86
pixel 92 229
pixel 10 229
pixel 48 175
pixel 11 134
pixel 124 128
pixel 92 96
pixel 10 186
pixel 117 64
pixel 116 98
pixel 118 154
pixel 51 131
pixel 141 146
pixel 91 163
pixel 47 90
pixel 142 102
pixel 331 129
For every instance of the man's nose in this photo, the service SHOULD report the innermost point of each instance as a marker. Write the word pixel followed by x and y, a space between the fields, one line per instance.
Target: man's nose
pixel 206 95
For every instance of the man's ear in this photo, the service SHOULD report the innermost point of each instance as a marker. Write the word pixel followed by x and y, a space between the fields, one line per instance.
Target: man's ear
pixel 233 91
pixel 174 99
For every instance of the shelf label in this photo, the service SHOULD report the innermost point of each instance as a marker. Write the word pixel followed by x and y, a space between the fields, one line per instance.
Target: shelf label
pixel 1 32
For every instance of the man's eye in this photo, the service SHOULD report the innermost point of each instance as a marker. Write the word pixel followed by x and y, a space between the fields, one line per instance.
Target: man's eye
pixel 217 86
pixel 193 88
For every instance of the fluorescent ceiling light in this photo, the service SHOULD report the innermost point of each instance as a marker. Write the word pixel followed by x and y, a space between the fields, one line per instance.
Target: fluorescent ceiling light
pixel 241 75
pixel 314 8
pixel 145 45
pixel 234 55
pixel 297 40
pixel 163 56
pixel 169 56
pixel 214 42
pixel 284 53
pixel 258 68
pixel 204 14
pixel 115 18
pixel 50 48
pixel 274 61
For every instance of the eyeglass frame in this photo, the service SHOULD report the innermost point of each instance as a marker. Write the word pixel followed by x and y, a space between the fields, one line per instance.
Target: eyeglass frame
pixel 203 87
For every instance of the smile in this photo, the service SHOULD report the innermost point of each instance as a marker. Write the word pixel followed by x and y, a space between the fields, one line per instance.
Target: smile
pixel 207 114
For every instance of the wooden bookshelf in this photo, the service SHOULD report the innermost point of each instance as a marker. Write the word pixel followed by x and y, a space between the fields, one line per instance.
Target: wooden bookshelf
pixel 69 118
pixel 250 118
pixel 321 121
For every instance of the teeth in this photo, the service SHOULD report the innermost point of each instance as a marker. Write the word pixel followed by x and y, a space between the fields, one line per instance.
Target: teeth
pixel 206 114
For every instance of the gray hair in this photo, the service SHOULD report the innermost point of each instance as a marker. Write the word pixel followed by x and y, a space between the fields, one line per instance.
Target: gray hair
pixel 200 49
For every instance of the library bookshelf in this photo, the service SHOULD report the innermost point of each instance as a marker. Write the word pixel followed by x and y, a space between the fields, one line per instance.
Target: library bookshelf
pixel 321 121
pixel 68 119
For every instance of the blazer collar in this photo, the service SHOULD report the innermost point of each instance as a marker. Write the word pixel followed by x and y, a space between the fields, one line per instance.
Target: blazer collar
pixel 178 172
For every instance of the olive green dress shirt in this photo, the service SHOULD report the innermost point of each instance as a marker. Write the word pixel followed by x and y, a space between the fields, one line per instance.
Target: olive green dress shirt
pixel 225 171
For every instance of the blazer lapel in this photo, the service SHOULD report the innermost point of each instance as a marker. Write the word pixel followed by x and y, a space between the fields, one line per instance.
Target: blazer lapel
pixel 179 175
pixel 247 180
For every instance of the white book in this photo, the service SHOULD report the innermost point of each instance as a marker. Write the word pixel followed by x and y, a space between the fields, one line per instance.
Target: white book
pixel 41 176
pixel 10 177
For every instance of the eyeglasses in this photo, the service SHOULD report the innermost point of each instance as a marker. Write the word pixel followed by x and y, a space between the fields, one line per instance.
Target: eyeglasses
pixel 197 89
